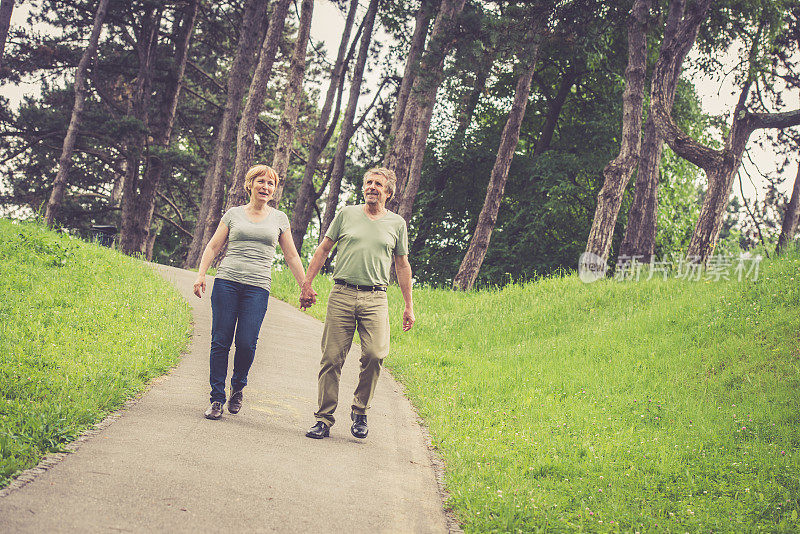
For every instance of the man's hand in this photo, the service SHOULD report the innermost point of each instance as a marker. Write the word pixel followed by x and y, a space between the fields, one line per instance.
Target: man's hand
pixel 200 285
pixel 308 297
pixel 408 319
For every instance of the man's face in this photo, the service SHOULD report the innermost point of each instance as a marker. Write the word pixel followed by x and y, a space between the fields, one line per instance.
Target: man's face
pixel 375 190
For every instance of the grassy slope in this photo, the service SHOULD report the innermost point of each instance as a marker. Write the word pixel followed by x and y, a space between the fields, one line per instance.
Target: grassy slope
pixel 82 328
pixel 659 405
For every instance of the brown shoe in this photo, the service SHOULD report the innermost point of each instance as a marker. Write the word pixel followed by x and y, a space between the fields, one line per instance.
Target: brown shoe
pixel 235 402
pixel 214 411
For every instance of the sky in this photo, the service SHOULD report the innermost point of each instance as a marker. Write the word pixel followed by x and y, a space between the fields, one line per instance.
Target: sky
pixel 716 97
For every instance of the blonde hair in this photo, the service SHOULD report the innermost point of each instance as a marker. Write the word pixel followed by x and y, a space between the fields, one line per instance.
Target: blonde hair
pixel 257 171
pixel 391 178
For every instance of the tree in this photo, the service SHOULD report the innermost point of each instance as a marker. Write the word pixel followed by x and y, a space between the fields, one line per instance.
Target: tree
pixel 65 161
pixel 138 107
pixel 471 264
pixel 619 170
pixel 214 183
pixel 421 23
pixel 138 204
pixel 408 146
pixel 294 90
pixel 343 142
pixel 720 165
pixel 307 195
pixel 245 145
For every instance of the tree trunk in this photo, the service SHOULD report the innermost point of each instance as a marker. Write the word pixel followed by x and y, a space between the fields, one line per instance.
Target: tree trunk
pixel 245 144
pixel 214 183
pixel 470 103
pixel 479 244
pixel 294 92
pixel 618 171
pixel 161 133
pixel 115 197
pixel 151 239
pixel 554 111
pixel 791 217
pixel 306 196
pixel 706 232
pixel 6 7
pixel 343 142
pixel 405 207
pixel 421 24
pixel 134 232
pixel 65 161
pixel 640 233
pixel 415 123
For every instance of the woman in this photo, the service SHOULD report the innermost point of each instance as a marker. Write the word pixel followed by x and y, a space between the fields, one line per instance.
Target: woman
pixel 241 287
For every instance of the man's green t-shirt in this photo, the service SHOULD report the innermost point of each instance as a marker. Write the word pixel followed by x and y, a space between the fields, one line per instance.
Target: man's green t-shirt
pixel 365 246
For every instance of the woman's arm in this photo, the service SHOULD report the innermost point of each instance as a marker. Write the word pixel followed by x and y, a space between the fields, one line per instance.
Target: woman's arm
pixel 210 252
pixel 292 257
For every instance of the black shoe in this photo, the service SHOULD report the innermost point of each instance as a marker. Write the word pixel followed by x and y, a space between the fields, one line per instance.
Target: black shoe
pixel 359 428
pixel 214 411
pixel 235 402
pixel 319 430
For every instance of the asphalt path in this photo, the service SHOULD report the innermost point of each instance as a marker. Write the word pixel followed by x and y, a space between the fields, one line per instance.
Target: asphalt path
pixel 161 466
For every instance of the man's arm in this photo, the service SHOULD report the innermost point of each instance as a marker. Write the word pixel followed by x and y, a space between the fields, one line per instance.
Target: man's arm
pixel 403 269
pixel 307 294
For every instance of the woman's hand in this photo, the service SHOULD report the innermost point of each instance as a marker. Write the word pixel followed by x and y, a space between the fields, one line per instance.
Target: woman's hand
pixel 200 285
pixel 308 297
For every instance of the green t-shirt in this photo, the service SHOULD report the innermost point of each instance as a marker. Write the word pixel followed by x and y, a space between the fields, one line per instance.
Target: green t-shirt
pixel 365 246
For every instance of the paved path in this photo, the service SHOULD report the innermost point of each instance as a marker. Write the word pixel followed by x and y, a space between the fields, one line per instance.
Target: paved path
pixel 162 467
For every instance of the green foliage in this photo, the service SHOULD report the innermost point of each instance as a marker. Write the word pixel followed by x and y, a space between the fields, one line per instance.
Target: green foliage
pixel 82 329
pixel 612 407
pixel 678 205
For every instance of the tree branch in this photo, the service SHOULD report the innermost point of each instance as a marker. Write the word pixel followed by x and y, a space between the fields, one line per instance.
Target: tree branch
pixel 785 119
pixel 173 223
pixel 171 203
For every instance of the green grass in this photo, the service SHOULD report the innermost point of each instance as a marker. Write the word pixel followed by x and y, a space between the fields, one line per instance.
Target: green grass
pixel 82 329
pixel 645 406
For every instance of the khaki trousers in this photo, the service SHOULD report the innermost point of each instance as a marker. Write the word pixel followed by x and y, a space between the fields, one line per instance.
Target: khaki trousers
pixel 348 310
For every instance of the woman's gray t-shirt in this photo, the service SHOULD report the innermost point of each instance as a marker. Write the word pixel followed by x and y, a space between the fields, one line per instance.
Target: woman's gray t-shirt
pixel 251 247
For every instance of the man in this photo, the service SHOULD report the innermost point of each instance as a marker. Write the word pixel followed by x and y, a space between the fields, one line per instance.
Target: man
pixel 368 237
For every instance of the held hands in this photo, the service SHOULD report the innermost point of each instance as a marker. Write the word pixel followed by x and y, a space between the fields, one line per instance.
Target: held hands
pixel 200 285
pixel 408 319
pixel 308 297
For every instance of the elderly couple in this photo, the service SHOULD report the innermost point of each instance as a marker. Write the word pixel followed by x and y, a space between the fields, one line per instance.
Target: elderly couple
pixel 369 236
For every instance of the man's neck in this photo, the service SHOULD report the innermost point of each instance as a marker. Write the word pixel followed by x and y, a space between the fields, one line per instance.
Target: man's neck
pixel 375 209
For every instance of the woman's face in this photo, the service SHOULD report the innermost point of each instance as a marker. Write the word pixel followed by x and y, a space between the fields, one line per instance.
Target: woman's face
pixel 263 188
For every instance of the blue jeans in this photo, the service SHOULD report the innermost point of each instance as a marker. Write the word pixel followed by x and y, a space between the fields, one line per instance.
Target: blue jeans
pixel 239 308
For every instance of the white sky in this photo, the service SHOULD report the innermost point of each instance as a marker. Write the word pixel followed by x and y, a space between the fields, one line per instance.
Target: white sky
pixel 327 26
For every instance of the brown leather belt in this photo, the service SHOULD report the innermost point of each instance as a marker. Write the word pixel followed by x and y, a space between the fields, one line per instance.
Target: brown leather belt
pixel 358 287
